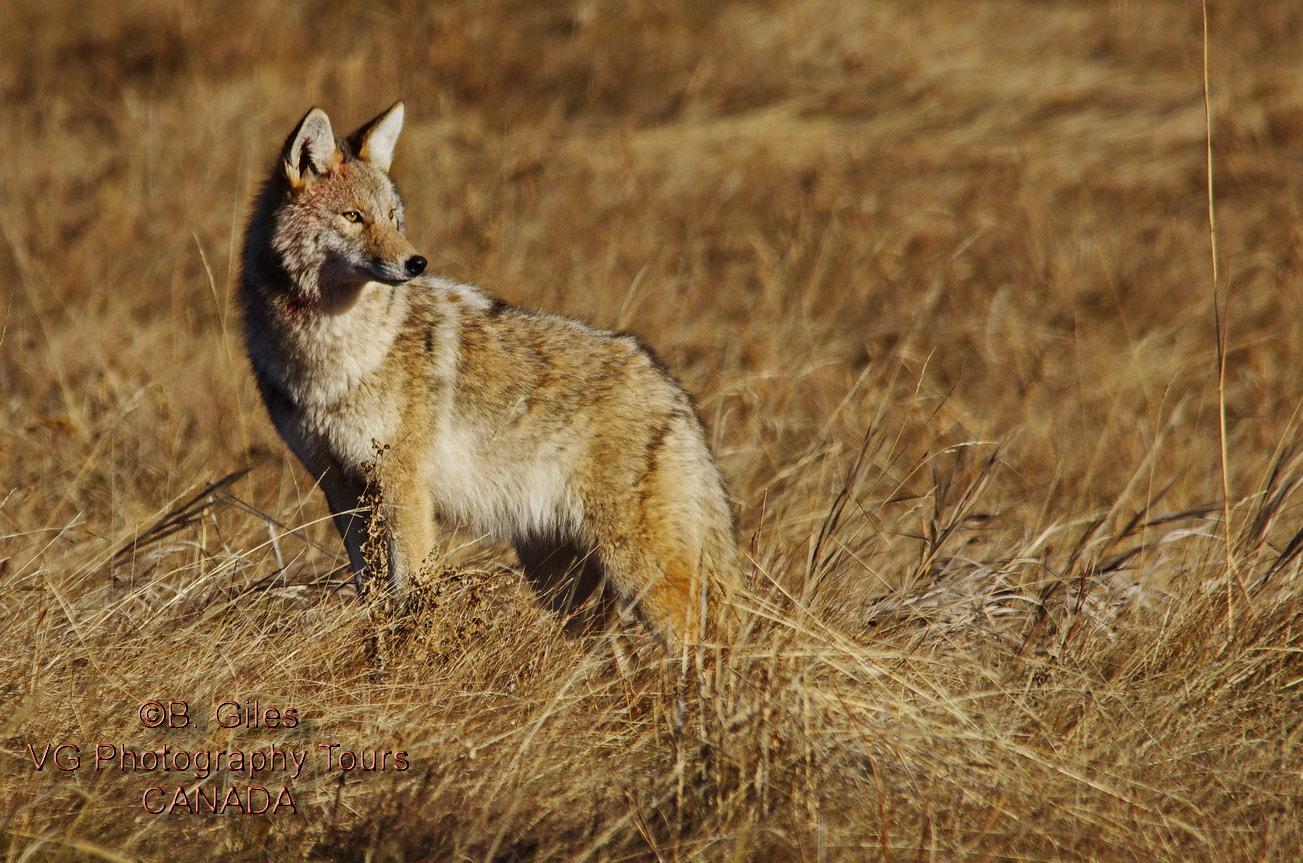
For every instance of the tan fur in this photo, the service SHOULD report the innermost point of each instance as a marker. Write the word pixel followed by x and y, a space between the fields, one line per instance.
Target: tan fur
pixel 570 442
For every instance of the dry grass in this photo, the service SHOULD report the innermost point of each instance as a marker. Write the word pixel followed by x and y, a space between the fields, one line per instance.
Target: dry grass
pixel 939 275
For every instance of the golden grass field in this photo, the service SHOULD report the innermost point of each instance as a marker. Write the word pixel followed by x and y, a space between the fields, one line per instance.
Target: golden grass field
pixel 940 278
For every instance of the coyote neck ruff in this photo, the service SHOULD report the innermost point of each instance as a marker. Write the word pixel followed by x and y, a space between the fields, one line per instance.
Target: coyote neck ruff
pixel 574 444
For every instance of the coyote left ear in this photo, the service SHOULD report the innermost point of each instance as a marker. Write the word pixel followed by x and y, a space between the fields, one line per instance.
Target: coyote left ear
pixel 375 141
pixel 310 149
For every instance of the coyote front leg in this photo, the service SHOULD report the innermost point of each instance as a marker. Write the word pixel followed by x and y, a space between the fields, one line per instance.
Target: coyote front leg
pixel 406 508
pixel 351 517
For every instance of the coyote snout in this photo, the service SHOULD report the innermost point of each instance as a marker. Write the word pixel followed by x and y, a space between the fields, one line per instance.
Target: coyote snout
pixel 574 444
pixel 370 250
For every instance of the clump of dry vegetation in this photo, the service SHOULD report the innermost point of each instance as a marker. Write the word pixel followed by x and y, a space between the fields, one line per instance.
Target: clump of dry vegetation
pixel 939 275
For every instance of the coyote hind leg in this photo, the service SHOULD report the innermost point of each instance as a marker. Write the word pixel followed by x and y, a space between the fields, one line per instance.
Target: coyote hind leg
pixel 570 581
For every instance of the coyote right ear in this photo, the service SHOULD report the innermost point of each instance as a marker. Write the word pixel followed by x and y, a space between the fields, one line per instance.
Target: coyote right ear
pixel 310 149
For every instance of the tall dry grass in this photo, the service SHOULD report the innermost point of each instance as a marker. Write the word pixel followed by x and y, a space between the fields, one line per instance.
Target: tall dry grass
pixel 939 277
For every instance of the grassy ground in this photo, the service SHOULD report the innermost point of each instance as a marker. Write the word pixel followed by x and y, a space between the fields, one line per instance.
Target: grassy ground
pixel 940 278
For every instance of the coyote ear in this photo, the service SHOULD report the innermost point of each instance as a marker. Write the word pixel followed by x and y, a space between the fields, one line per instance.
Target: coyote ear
pixel 310 149
pixel 375 141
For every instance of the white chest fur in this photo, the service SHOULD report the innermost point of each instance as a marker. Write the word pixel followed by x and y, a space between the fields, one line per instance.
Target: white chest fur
pixel 490 493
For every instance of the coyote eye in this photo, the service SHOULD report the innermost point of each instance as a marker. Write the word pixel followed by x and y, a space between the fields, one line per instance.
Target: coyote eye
pixel 393 215
pixel 352 215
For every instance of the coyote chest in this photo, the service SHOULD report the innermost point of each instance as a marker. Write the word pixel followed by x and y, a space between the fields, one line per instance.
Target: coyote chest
pixel 330 371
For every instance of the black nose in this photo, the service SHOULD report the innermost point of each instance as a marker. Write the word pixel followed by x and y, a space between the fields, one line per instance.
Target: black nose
pixel 415 265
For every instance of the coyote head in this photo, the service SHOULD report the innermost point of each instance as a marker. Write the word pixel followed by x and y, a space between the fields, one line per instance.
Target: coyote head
pixel 336 218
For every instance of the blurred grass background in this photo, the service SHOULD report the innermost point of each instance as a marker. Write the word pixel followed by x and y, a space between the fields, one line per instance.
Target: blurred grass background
pixel 939 276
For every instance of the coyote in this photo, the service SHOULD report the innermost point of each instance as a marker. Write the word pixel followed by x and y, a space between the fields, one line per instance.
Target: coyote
pixel 573 444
